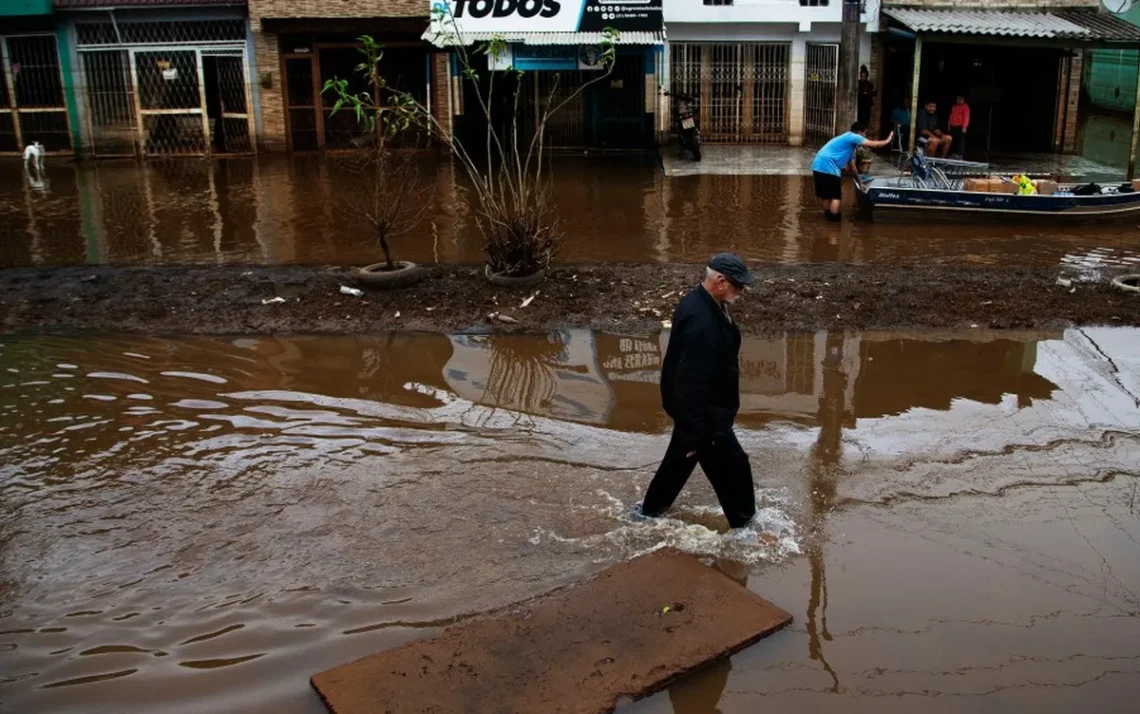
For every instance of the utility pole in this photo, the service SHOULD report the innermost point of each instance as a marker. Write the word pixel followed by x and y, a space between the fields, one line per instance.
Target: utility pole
pixel 847 86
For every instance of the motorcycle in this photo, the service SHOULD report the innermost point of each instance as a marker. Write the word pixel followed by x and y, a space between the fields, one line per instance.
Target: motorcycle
pixel 685 118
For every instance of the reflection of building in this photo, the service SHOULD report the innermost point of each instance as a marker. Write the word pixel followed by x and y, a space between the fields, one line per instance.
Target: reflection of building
pixel 613 379
pixel 555 376
pixel 902 373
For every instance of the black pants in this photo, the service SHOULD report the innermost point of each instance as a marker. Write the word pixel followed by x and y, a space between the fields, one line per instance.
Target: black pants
pixel 724 463
pixel 958 147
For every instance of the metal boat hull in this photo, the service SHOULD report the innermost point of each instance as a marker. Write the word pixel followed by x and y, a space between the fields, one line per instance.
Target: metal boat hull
pixel 899 203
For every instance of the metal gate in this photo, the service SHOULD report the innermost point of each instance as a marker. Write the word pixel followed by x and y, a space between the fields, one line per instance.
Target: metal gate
pixel 819 93
pixel 31 94
pixel 171 88
pixel 741 89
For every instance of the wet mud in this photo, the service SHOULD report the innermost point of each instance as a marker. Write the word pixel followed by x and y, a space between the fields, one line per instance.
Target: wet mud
pixel 622 297
pixel 202 523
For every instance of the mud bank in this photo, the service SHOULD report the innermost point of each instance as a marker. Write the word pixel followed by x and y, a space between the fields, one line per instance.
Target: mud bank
pixel 615 297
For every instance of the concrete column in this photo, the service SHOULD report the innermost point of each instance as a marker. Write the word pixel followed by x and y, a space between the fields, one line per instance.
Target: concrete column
pixel 797 85
pixel 267 58
pixel 914 88
pixel 878 71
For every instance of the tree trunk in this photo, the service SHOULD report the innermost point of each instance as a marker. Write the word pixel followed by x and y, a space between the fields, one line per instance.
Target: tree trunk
pixel 384 247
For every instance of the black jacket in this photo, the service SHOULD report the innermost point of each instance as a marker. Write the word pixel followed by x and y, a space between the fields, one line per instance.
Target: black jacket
pixel 700 378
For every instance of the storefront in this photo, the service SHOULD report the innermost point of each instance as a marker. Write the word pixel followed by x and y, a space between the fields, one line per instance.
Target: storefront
pixel 161 82
pixel 1020 71
pixel 316 51
pixel 33 105
pixel 554 50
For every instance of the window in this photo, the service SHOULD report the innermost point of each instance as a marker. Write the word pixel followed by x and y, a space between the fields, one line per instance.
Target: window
pixel 814 3
pixel 719 2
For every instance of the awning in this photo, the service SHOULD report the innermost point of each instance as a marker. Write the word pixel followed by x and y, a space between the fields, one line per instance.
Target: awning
pixel 544 38
pixel 1086 26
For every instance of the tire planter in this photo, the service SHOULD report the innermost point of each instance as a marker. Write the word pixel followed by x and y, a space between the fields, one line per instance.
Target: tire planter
pixel 1127 283
pixel 508 281
pixel 406 273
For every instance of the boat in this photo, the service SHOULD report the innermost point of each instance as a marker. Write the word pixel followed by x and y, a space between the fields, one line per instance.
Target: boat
pixel 934 189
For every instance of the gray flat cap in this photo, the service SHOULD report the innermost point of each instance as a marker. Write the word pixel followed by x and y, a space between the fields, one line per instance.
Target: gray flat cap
pixel 732 267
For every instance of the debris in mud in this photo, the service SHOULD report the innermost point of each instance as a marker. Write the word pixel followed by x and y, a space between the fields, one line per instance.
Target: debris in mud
pixel 355 292
pixel 158 300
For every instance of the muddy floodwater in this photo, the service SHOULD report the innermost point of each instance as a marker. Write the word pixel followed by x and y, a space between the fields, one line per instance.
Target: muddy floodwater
pixel 294 210
pixel 200 524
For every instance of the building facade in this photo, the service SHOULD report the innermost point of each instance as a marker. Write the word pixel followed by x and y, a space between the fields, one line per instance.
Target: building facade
pixel 1017 63
pixel 160 77
pixel 300 45
pixel 111 78
pixel 34 79
pixel 762 71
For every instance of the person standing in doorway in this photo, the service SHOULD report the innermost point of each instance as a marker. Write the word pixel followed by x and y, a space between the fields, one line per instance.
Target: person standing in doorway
pixel 866 96
pixel 700 391
pixel 830 161
pixel 959 125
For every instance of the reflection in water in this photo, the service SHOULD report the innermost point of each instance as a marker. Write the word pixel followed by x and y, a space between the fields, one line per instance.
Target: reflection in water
pixel 285 210
pixel 197 524
pixel 700 692
pixel 825 470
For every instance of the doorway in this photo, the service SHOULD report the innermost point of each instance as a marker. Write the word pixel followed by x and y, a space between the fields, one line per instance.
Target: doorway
pixel 223 78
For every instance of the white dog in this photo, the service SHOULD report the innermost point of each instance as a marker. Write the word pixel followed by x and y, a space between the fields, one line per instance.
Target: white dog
pixel 34 157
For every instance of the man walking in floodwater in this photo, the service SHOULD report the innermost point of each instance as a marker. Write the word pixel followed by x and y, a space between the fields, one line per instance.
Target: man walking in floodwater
pixel 700 390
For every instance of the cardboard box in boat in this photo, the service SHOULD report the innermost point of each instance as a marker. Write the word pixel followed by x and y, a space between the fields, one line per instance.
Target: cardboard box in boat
pixel 1136 184
pixel 1046 187
pixel 1001 186
pixel 977 184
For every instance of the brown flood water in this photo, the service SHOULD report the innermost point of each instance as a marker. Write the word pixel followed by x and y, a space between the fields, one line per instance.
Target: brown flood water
pixel 200 524
pixel 290 210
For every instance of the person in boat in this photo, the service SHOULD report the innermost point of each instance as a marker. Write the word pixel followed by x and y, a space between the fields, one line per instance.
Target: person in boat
pixel 930 133
pixel 700 391
pixel 830 161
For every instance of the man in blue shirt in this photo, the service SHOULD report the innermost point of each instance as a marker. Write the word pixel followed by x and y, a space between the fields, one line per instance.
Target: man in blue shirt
pixel 837 154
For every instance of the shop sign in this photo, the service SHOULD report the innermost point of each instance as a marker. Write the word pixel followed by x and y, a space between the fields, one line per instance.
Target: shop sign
pixel 456 17
pixel 540 58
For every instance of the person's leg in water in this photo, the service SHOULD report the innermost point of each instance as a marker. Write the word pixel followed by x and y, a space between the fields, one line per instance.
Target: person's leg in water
pixel 675 469
pixel 831 210
pixel 729 471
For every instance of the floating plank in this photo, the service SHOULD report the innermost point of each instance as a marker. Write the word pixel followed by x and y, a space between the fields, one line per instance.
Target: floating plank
pixel 626 632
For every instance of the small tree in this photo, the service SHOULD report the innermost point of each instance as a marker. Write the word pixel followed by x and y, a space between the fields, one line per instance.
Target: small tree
pixel 510 183
pixel 388 191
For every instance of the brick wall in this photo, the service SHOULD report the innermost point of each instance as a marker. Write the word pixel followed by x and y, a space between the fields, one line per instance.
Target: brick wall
pixel 268 60
pixel 259 9
pixel 441 89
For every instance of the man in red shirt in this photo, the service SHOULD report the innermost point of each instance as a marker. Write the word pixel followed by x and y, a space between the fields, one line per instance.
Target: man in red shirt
pixel 959 124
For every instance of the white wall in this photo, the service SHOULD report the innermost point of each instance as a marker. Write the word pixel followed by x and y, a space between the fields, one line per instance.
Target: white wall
pixel 763 12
